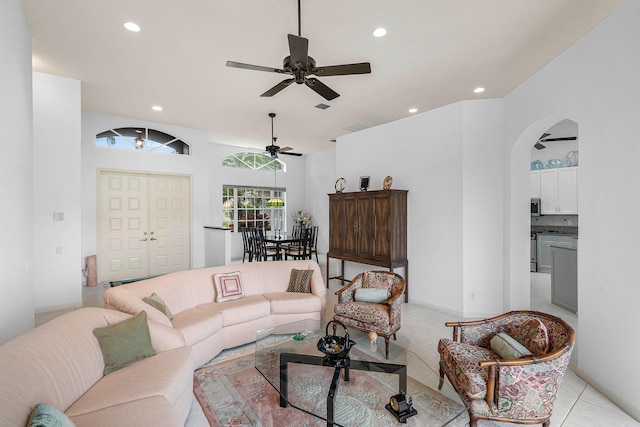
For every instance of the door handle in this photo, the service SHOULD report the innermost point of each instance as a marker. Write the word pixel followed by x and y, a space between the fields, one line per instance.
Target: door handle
pixel 143 240
pixel 153 238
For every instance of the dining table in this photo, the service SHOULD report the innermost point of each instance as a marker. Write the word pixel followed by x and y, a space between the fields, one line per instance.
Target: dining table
pixel 278 239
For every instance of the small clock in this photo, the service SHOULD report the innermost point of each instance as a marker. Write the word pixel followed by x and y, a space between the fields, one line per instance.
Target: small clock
pixel 341 184
pixel 401 406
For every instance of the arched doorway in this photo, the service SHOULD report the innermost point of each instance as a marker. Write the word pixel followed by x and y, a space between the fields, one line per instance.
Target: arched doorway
pixel 518 293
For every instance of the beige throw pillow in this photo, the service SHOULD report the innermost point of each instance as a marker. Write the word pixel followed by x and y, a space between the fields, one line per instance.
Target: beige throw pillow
pixel 300 281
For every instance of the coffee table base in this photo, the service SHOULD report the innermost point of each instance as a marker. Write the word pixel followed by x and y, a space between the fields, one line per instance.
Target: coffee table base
pixel 358 365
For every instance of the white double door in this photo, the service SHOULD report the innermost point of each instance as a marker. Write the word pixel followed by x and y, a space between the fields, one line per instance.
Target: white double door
pixel 144 224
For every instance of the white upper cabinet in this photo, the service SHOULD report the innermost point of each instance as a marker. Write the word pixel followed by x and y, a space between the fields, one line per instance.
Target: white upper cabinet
pixel 559 191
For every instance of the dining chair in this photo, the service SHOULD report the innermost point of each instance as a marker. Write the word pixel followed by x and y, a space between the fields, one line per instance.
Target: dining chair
pixel 246 244
pixel 300 250
pixel 261 252
pixel 313 245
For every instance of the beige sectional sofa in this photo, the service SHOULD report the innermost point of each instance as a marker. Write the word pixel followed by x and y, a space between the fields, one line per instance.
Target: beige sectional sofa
pixel 61 363
pixel 208 326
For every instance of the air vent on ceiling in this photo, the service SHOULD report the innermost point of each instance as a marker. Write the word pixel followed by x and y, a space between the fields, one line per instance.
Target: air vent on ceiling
pixel 323 106
pixel 355 128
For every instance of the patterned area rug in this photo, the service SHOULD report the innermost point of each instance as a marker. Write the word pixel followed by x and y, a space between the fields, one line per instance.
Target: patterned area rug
pixel 233 393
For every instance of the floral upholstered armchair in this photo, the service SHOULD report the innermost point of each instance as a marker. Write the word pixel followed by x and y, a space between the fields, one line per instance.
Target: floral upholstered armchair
pixel 371 302
pixel 509 367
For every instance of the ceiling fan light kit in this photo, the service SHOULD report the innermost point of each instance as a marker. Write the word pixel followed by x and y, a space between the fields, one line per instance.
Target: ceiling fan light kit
pixel 300 66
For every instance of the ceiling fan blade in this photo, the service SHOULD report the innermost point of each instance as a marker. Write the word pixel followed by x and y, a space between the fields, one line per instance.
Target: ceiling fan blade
pixel 277 88
pixel 291 153
pixel 321 89
pixel 564 138
pixel 254 67
pixel 299 51
pixel 286 149
pixel 342 70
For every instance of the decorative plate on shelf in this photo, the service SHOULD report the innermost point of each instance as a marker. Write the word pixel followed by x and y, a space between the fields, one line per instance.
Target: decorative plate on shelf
pixel 536 165
pixel 572 158
pixel 341 184
pixel 386 184
pixel 554 163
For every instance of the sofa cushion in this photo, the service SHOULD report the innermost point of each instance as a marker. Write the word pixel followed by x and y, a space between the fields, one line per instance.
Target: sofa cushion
pixel 533 335
pixel 196 324
pixel 45 415
pixel 125 342
pixel 251 307
pixel 168 374
pixel 300 281
pixel 374 295
pixel 153 411
pixel 461 361
pixel 293 302
pixel 156 302
pixel 228 286
pixel 508 347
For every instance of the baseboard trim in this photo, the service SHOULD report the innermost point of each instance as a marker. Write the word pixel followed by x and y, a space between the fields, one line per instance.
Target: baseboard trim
pixel 609 394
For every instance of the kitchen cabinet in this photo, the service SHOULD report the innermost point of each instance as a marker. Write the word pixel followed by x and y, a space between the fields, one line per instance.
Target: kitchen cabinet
pixel 369 227
pixel 534 183
pixel 545 241
pixel 559 191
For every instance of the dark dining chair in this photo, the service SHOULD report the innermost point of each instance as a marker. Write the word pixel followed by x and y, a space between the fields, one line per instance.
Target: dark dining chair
pixel 313 245
pixel 300 250
pixel 261 252
pixel 247 244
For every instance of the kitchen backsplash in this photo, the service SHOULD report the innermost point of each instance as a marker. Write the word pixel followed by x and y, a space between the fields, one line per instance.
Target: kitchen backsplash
pixel 565 224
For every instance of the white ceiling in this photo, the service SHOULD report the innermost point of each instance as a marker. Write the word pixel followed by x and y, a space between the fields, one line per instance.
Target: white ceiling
pixel 435 53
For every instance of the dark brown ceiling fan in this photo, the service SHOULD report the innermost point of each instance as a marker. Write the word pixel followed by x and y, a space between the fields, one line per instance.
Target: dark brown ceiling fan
pixel 273 149
pixel 300 65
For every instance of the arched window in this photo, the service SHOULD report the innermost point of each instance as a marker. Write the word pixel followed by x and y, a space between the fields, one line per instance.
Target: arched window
pixel 140 138
pixel 254 161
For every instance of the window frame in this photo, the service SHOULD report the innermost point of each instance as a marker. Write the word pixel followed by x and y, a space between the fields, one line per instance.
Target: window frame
pixel 253 214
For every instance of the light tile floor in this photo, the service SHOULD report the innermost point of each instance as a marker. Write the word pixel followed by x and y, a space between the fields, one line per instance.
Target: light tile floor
pixel 578 404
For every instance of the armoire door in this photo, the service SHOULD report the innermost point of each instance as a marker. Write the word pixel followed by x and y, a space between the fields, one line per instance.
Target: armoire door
pixel 144 225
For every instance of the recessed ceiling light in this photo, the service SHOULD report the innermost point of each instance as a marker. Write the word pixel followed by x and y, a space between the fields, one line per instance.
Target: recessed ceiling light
pixel 380 32
pixel 478 90
pixel 132 26
pixel 156 108
pixel 413 110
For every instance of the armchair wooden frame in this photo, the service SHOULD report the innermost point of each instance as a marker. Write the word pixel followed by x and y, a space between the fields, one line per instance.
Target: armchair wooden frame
pixel 498 368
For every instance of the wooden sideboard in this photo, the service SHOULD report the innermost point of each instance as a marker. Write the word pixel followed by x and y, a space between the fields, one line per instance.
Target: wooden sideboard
pixel 369 227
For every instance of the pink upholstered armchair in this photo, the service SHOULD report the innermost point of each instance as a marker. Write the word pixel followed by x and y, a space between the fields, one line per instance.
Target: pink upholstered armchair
pixel 371 302
pixel 519 389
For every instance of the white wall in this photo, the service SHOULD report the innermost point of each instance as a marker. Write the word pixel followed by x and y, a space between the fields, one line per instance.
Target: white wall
pixel 595 84
pixel 450 160
pixel 204 165
pixel 16 172
pixel 320 171
pixel 56 188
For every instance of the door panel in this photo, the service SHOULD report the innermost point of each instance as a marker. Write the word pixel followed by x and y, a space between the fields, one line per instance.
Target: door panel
pixel 144 225
pixel 123 221
pixel 169 224
pixel 351 226
pixel 382 242
pixel 366 227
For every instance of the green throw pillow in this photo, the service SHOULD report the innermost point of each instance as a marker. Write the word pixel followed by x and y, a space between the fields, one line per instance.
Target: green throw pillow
pixel 45 415
pixel 300 281
pixel 508 347
pixel 156 302
pixel 125 342
pixel 373 295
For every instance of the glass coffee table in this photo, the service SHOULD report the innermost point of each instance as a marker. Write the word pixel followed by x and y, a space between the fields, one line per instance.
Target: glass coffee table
pixel 355 392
